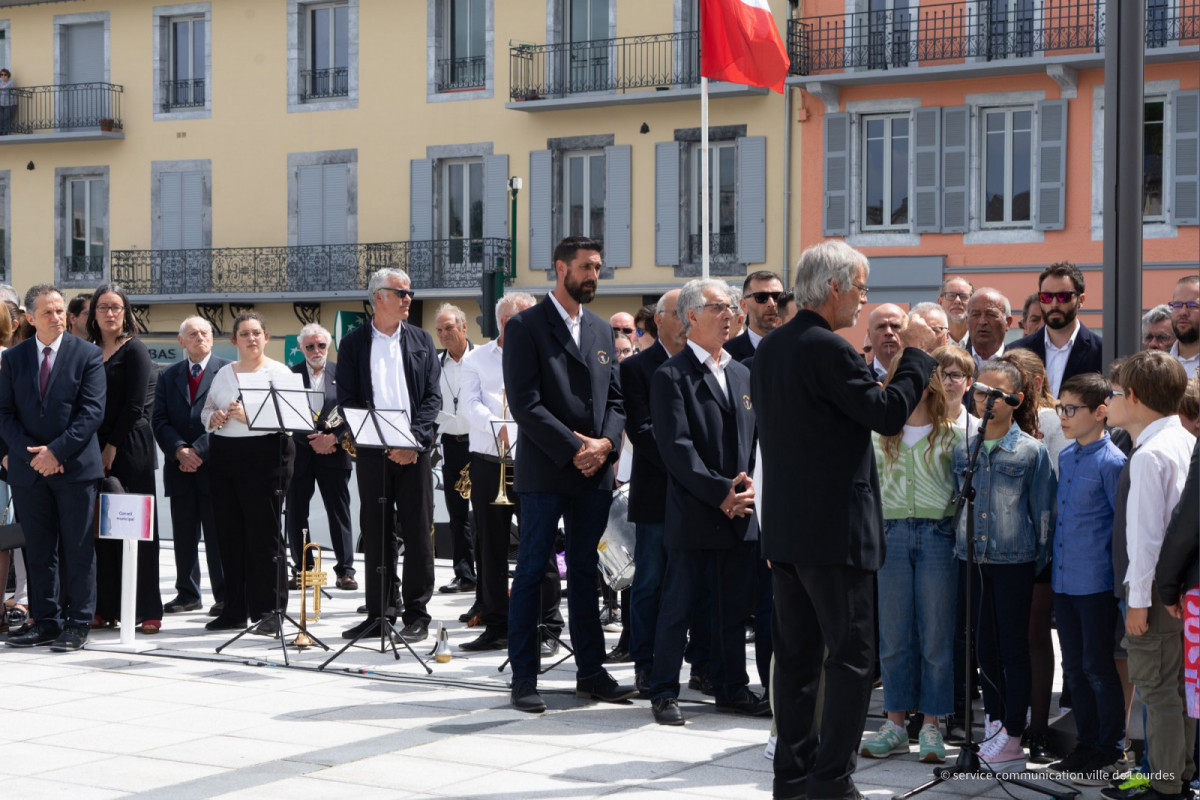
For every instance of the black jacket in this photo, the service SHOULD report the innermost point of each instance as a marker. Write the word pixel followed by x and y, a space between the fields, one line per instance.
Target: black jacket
pixel 1177 569
pixel 740 347
pixel 339 458
pixel 176 420
pixel 648 477
pixel 1085 355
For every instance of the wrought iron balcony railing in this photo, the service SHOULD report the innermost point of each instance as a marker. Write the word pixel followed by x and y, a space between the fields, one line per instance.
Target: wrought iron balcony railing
pixel 319 84
pixel 436 264
pixel 83 268
pixel 183 94
pixel 721 247
pixel 657 61
pixel 461 73
pixel 68 106
pixel 971 29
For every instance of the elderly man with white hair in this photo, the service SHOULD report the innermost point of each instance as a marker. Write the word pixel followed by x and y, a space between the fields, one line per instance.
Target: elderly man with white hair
pixel 450 325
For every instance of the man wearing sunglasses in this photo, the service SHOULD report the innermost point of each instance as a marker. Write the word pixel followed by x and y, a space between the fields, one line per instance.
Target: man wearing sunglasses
pixel 1064 344
pixel 1185 322
pixel 321 463
pixel 761 292
pixel 623 324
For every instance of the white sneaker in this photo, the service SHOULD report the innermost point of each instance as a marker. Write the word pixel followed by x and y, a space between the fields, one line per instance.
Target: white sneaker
pixel 769 752
pixel 990 728
pixel 1003 753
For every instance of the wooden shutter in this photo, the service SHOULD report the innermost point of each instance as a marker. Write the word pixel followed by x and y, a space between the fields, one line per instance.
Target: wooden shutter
pixel 1185 144
pixel 751 199
pixel 1052 165
pixel 955 164
pixel 420 199
pixel 926 191
pixel 541 213
pixel 495 197
pixel 618 198
pixel 666 204
pixel 836 216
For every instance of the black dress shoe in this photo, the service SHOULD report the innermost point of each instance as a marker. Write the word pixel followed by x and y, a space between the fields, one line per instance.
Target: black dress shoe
pixel 361 629
pixel 362 609
pixel 641 679
pixel 414 632
pixel 217 609
pixel 666 711
pixel 473 612
pixel 702 684
pixel 548 648
pixel 1039 753
pixel 33 634
pixel 746 703
pixel 73 637
pixel 267 626
pixel 458 585
pixel 525 698
pixel 225 624
pixel 486 641
pixel 604 688
pixel 179 604
pixel 618 655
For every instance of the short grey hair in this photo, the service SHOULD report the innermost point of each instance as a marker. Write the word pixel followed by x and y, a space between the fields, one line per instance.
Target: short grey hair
pixel 8 294
pixel 196 318
pixel 922 309
pixel 507 306
pixel 830 260
pixel 691 298
pixel 379 279
pixel 455 310
pixel 1160 313
pixel 37 291
pixel 980 292
pixel 313 329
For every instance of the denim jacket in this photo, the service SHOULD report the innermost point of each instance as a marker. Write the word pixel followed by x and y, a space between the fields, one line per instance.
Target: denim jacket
pixel 1014 500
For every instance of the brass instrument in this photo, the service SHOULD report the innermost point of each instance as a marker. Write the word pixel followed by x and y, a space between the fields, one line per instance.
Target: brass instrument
pixel 502 450
pixel 463 484
pixel 309 579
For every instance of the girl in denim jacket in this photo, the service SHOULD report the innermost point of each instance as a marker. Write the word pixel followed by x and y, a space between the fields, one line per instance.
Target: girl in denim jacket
pixel 1013 517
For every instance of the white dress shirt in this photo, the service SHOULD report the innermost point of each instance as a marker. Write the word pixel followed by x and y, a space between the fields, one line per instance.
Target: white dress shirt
pixel 316 383
pixel 388 383
pixel 573 325
pixel 452 400
pixel 1056 360
pixel 225 389
pixel 754 337
pixel 717 368
pixel 980 360
pixel 1191 365
pixel 482 397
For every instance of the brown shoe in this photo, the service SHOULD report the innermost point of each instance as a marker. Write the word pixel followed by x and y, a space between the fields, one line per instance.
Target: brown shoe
pixel 347 583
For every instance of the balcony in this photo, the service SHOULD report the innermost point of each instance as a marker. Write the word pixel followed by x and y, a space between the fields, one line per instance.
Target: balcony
pixel 72 112
pixel 973 37
pixel 601 72
pixel 322 84
pixel 722 247
pixel 459 74
pixel 307 272
pixel 183 94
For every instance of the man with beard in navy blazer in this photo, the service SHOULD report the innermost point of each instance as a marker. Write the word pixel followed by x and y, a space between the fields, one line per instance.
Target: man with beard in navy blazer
pixel 52 390
pixel 179 398
pixel 704 426
pixel 560 372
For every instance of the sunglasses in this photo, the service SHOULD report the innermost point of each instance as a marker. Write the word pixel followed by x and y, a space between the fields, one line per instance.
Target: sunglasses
pixel 315 346
pixel 401 293
pixel 1060 297
pixel 762 297
pixel 626 331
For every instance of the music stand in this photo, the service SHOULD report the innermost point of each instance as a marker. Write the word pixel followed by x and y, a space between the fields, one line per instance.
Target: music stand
pixel 279 410
pixel 381 429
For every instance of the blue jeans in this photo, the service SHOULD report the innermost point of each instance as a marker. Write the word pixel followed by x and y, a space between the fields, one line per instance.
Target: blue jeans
pixel 584 516
pixel 650 559
pixel 1085 634
pixel 917 589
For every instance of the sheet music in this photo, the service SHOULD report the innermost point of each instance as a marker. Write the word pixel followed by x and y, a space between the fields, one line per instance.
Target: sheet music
pixel 380 428
pixel 287 410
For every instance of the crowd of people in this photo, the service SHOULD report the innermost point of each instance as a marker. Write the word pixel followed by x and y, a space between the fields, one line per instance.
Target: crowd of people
pixel 784 487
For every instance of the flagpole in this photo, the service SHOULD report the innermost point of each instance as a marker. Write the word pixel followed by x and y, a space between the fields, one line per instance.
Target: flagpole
pixel 705 193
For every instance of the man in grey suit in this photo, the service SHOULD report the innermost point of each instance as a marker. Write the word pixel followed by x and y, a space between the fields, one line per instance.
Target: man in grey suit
pixel 178 399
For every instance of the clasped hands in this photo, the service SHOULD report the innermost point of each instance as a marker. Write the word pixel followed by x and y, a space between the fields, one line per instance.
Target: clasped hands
pixel 739 504
pixel 592 454
pixel 44 461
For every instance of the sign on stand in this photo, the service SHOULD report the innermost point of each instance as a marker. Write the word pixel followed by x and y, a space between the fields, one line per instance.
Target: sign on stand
pixel 130 518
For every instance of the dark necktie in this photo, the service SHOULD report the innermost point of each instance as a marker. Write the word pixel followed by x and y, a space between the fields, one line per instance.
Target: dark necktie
pixel 194 383
pixel 195 370
pixel 44 372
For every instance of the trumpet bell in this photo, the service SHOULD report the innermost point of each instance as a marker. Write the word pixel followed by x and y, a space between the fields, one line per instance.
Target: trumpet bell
pixel 441 651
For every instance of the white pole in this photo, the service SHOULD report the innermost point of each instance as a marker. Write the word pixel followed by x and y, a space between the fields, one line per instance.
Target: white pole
pixel 129 554
pixel 704 188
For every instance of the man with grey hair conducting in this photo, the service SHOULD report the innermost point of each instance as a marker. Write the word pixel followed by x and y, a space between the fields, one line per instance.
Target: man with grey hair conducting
pixel 826 543
pixel 321 463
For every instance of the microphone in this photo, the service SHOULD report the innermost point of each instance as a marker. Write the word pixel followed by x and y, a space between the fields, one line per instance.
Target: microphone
pixel 983 388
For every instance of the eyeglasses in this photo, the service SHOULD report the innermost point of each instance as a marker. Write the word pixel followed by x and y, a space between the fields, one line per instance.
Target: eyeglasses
pixel 938 329
pixel 1068 410
pixel 762 297
pixel 626 331
pixel 721 307
pixel 1060 297
pixel 860 287
pixel 1179 305
pixel 1115 393
pixel 956 296
pixel 1160 338
pixel 954 377
pixel 110 309
pixel 401 293
pixel 624 351
pixel 316 346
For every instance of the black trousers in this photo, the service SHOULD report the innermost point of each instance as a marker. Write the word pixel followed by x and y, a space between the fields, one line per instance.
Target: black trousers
pixel 334 484
pixel 455 456
pixel 818 607
pixel 58 515
pixel 396 504
pixel 246 474
pixel 192 516
pixel 135 478
pixel 492 533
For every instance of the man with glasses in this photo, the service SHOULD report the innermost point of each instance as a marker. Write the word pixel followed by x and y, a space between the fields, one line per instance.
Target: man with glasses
pixel 321 463
pixel 761 292
pixel 1185 322
pixel 953 299
pixel 1064 344
pixel 623 324
pixel 1158 332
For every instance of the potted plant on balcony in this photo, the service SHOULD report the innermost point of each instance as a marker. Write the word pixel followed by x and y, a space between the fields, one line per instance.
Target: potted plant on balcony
pixel 106 124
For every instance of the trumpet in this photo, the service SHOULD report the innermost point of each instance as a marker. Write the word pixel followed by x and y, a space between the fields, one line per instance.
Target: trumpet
pixel 502 451
pixel 312 579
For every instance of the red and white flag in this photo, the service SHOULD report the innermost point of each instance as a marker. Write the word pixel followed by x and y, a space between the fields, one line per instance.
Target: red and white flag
pixel 740 43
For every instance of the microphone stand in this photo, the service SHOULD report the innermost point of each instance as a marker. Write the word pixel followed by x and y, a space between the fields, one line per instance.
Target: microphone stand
pixel 967 763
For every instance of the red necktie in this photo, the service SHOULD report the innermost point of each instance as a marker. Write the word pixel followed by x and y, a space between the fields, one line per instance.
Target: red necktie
pixel 44 372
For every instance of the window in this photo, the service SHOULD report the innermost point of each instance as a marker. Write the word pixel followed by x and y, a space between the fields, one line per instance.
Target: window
pixel 326 70
pixel 462 211
pixel 87 227
pixel 721 200
pixel 583 188
pixel 186 45
pixel 1011 27
pixel 890 33
pixel 885 162
pixel 1007 165
pixel 588 34
pixel 463 64
pixel 1152 161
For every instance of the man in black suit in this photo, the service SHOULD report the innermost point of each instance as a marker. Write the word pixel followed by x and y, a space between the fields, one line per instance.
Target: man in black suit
pixel 321 462
pixel 704 426
pixel 179 398
pixel 52 392
pixel 390 364
pixel 825 543
pixel 1064 343
pixel 761 292
pixel 560 373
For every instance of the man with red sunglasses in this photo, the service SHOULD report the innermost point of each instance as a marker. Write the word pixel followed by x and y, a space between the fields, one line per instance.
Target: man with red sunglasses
pixel 1063 343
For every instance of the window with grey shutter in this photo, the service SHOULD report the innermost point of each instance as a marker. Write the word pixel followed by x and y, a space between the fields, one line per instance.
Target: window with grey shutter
pixel 495 197
pixel 618 248
pixel 322 204
pixel 751 200
pixel 1052 169
pixel 836 215
pixel 926 200
pixel 541 211
pixel 420 199
pixel 955 145
pixel 1185 175
pixel 666 204
pixel 181 195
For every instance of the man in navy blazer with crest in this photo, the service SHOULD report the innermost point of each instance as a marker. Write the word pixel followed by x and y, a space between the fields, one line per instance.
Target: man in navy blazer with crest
pixel 560 372
pixel 52 390
pixel 179 398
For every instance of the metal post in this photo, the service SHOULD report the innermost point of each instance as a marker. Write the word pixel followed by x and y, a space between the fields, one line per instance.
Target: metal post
pixel 1124 112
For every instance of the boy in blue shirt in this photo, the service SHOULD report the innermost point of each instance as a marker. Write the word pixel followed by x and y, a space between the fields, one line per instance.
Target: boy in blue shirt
pixel 1082 579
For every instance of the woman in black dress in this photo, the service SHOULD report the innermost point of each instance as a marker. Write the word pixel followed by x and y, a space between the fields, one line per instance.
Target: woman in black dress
pixel 126 449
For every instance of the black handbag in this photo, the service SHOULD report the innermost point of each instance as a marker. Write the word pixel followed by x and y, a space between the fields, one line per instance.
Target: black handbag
pixel 11 535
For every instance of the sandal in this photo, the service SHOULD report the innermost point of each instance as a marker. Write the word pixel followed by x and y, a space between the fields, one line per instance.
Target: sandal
pixel 151 626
